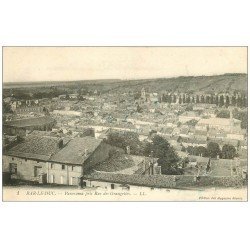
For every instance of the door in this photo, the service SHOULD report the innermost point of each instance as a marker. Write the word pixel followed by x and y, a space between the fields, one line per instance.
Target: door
pixel 73 181
pixel 52 178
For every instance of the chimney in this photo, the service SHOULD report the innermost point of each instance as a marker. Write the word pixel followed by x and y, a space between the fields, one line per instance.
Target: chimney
pixel 128 150
pixel 60 143
pixel 86 152
pixel 156 169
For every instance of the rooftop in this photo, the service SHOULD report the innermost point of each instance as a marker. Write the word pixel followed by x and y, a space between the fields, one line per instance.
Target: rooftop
pixel 74 152
pixel 36 147
pixel 217 121
pixel 122 163
pixel 28 122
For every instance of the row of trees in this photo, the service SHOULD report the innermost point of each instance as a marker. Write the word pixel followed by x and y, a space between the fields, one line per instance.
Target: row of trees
pixel 213 150
pixel 239 101
pixel 158 148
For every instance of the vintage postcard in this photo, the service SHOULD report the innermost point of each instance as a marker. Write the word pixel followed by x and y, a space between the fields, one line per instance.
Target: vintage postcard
pixel 125 124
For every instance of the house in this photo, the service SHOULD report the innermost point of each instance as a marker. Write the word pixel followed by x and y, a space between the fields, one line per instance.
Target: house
pixel 29 160
pixel 48 159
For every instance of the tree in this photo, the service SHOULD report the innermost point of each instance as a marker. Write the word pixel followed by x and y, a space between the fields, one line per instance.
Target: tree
pixel 7 108
pixel 124 139
pixel 169 98
pixel 227 101
pixel 239 101
pixel 46 111
pixel 190 150
pixel 228 151
pixel 201 151
pixel 180 100
pixel 174 99
pixel 213 149
pixel 167 157
pixel 189 107
pixel 184 99
pixel 197 99
pixel 217 100
pixel 233 100
pixel 207 99
pixel 80 98
pixel 202 99
pixel 223 114
pixel 137 96
pixel 221 101
pixel 192 122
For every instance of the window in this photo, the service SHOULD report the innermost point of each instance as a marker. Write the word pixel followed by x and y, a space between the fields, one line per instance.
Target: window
pixel 13 158
pixel 13 168
pixel 112 186
pixel 51 166
pixel 37 171
pixel 72 168
pixel 25 159
pixel 37 161
pixel 63 167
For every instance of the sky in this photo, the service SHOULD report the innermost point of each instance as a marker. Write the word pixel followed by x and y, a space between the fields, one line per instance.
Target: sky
pixel 25 64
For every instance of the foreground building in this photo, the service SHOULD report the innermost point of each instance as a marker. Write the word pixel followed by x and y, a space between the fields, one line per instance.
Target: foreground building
pixel 47 159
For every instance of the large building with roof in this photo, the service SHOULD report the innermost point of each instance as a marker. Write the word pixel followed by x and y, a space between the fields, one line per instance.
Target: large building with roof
pixel 48 159
pixel 224 124
pixel 20 127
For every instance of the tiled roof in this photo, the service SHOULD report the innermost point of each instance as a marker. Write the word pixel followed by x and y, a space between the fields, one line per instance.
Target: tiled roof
pixel 160 181
pixel 74 151
pixel 36 147
pixel 122 163
pixel 37 121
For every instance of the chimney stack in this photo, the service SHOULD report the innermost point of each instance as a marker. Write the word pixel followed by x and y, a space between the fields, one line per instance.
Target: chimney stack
pixel 86 152
pixel 128 150
pixel 60 143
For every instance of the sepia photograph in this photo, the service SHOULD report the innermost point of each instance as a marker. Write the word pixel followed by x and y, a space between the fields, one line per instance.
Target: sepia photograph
pixel 125 124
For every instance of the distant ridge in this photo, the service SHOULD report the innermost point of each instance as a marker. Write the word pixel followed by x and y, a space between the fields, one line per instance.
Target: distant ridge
pixel 216 83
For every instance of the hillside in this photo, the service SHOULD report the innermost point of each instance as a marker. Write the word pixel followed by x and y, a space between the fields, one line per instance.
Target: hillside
pixel 206 84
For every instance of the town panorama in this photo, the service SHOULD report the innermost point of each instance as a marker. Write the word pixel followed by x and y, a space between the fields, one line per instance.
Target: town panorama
pixel 186 132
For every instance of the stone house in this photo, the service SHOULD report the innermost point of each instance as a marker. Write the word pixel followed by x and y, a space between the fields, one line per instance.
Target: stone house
pixel 47 159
